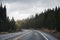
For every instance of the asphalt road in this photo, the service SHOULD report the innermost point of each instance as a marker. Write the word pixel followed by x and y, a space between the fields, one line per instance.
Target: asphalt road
pixel 27 35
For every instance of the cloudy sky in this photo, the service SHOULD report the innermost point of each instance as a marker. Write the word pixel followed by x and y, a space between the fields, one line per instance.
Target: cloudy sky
pixel 21 9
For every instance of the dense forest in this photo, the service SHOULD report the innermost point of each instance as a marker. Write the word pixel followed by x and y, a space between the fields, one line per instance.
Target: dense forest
pixel 6 25
pixel 50 19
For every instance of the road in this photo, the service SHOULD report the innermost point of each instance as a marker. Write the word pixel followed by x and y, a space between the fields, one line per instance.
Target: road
pixel 27 35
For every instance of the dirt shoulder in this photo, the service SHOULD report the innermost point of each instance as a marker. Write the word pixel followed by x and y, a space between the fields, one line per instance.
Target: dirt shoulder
pixel 53 32
pixel 4 32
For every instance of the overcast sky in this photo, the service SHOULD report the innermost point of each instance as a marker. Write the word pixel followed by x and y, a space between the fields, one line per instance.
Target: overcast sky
pixel 21 9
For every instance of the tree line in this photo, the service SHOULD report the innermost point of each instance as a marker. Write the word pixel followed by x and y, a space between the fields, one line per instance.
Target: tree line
pixel 6 25
pixel 50 19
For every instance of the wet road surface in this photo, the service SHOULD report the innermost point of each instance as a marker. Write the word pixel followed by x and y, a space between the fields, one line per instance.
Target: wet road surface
pixel 27 35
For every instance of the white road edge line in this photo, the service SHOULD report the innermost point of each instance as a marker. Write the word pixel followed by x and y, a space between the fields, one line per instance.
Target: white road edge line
pixel 43 35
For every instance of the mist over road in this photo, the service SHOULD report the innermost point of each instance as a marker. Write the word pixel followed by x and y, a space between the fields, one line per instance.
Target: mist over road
pixel 27 35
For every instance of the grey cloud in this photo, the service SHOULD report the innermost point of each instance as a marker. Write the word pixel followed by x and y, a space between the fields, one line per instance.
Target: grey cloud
pixel 34 2
pixel 24 1
pixel 22 5
pixel 29 6
pixel 29 1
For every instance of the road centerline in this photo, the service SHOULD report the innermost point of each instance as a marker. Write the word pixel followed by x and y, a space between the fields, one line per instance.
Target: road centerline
pixel 16 38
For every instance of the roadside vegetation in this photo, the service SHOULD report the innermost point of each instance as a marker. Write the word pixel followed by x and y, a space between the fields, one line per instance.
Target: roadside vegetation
pixel 6 25
pixel 49 19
